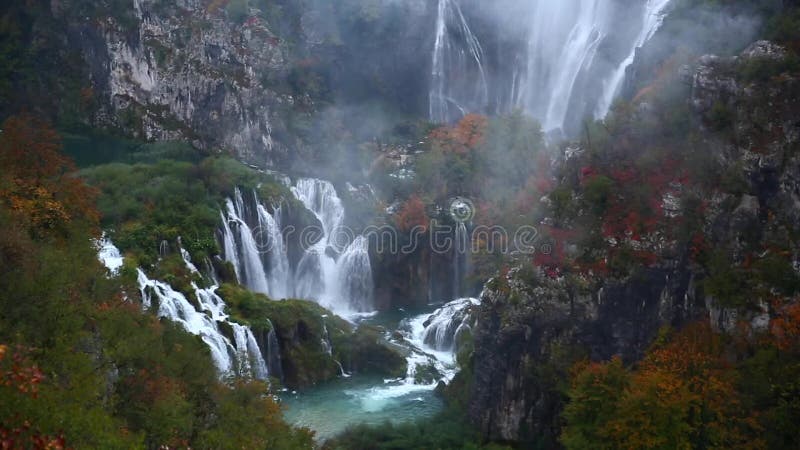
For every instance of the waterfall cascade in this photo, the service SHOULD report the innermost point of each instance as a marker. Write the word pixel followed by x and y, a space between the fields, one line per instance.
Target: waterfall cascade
pixel 252 241
pixel 331 271
pixel 446 324
pixel 569 65
pixel 109 255
pixel 335 274
pixel 242 356
pixel 434 337
pixel 174 306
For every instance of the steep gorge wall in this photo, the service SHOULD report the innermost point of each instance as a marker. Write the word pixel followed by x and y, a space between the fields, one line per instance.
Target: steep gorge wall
pixel 532 328
pixel 183 70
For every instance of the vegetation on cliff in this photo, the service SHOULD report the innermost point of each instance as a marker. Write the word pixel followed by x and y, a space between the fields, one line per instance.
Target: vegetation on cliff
pixel 81 366
pixel 694 388
pixel 692 180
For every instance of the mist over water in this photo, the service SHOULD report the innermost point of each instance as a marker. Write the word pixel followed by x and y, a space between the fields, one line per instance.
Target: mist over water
pixel 556 61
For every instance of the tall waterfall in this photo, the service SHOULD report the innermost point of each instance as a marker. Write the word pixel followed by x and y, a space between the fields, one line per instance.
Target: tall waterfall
pixel 245 253
pixel 563 42
pixel 316 274
pixel 654 13
pixel 555 60
pixel 456 51
pixel 270 237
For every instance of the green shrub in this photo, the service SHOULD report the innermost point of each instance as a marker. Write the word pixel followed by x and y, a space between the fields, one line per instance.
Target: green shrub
pixel 721 117
pixel 763 69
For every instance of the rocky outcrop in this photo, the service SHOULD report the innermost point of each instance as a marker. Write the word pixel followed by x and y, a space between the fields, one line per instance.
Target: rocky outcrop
pixel 184 70
pixel 373 52
pixel 752 100
pixel 532 328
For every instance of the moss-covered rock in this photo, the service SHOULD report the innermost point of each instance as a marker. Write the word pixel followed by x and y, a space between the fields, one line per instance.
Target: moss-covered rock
pixel 246 307
pixel 312 339
pixel 367 351
pixel 426 374
pixel 300 329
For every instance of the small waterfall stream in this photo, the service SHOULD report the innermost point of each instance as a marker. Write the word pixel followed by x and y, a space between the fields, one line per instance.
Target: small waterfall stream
pixel 460 256
pixel 274 353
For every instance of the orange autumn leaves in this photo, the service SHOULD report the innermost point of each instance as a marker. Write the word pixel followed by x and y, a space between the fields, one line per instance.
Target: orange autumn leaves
pixel 17 372
pixel 37 183
pixel 785 328
pixel 412 215
pixel 468 134
pixel 681 395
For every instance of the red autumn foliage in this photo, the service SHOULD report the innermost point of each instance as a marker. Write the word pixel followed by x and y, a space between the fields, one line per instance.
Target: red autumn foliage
pixel 19 373
pixel 551 254
pixel 587 173
pixel 467 135
pixel 698 246
pixel 38 182
pixel 412 214
pixel 786 328
pixel 25 438
pixel 23 377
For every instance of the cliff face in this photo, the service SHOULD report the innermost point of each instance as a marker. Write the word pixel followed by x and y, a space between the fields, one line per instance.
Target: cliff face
pixel 531 328
pixel 184 70
pixel 245 77
pixel 748 106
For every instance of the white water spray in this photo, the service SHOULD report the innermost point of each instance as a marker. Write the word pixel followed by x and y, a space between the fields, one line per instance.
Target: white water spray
pixel 654 13
pixel 337 276
pixel 253 243
pixel 556 77
pixel 456 50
